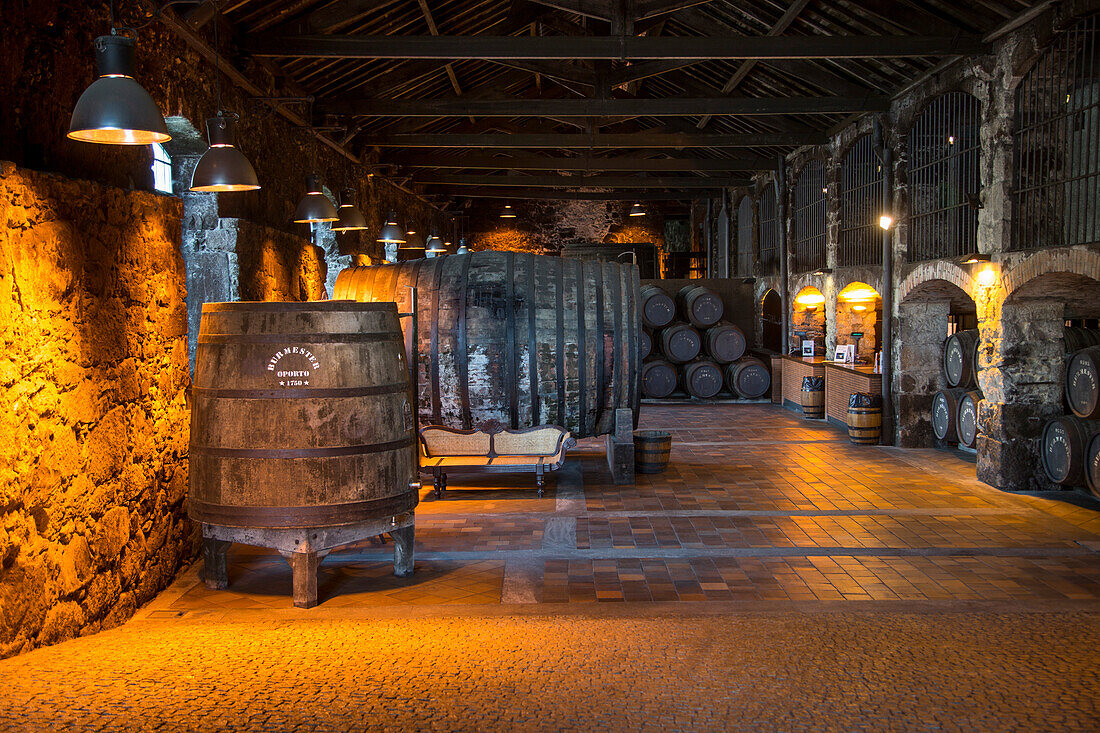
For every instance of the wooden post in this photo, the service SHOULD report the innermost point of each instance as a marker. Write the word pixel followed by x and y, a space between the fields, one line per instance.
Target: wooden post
pixel 215 571
pixel 403 541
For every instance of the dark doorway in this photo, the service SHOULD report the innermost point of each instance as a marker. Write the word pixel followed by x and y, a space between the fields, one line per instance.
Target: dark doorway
pixel 772 322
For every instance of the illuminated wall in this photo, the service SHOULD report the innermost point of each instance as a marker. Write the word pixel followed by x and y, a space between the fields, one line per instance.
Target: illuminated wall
pixel 93 448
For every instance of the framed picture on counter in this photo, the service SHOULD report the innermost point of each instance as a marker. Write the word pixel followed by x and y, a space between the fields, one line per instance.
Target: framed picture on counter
pixel 807 348
pixel 845 354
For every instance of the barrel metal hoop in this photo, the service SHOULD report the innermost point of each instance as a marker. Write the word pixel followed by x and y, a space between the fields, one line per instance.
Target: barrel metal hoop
pixel 511 368
pixel 292 394
pixel 582 350
pixel 559 323
pixel 335 452
pixel 298 338
pixel 463 363
pixel 301 516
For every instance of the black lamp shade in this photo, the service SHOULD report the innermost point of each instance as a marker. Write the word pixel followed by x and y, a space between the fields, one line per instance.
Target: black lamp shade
pixel 391 232
pixel 115 109
pixel 637 210
pixel 222 167
pixel 507 212
pixel 413 241
pixel 435 244
pixel 314 206
pixel 349 217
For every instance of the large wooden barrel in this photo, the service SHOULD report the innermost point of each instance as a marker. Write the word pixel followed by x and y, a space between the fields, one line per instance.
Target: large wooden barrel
pixel 680 343
pixel 1064 442
pixel 1083 382
pixel 702 379
pixel 813 398
pixel 652 450
pixel 748 378
pixel 960 358
pixel 1092 465
pixel 518 338
pixel 864 418
pixel 645 344
pixel 1077 338
pixel 301 415
pixel 658 307
pixel 724 342
pixel 966 421
pixel 945 413
pixel 658 379
pixel 699 306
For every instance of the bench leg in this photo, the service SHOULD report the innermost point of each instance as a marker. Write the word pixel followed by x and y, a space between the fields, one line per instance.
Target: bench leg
pixel 403 540
pixel 215 570
pixel 539 480
pixel 444 484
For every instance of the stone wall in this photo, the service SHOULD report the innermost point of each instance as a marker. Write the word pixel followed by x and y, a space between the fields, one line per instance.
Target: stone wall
pixel 93 455
pixel 547 226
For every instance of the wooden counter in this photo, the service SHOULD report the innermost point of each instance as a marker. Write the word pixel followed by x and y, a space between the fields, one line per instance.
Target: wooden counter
pixel 794 369
pixel 841 380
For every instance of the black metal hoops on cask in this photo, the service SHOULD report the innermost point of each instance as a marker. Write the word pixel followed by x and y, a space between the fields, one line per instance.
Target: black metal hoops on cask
pixel 520 338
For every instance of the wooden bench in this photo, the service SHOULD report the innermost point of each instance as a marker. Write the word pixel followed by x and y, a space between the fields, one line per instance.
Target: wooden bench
pixel 493 447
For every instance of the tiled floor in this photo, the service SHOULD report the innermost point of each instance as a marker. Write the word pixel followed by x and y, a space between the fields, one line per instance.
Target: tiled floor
pixel 757 504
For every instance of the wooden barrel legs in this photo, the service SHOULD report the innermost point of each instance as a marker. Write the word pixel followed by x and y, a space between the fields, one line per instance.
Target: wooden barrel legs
pixel 304 548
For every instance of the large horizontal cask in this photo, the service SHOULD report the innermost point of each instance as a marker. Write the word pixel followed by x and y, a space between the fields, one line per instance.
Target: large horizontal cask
pixel 518 338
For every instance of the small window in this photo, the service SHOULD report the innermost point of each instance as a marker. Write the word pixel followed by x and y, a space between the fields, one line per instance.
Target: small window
pixel 162 169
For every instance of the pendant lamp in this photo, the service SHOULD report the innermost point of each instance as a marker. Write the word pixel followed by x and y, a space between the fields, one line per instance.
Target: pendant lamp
pixel 637 210
pixel 223 167
pixel 391 232
pixel 350 217
pixel 462 247
pixel 434 246
pixel 413 241
pixel 507 212
pixel 314 206
pixel 115 109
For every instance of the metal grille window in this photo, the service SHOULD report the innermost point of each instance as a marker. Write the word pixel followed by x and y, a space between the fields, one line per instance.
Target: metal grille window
pixel 944 180
pixel 1057 182
pixel 860 204
pixel 745 256
pixel 808 213
pixel 769 231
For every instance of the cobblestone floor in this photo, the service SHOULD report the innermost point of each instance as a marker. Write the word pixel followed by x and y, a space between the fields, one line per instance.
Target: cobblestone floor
pixel 774 578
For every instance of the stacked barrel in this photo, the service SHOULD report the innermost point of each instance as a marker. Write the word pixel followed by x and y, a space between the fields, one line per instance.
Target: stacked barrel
pixel 688 346
pixel 955 409
pixel 1071 443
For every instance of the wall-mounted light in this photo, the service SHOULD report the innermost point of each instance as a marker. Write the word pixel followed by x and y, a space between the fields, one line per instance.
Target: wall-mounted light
pixel 115 109
pixel 223 167
pixel 974 258
pixel 974 201
pixel 391 231
pixel 810 300
pixel 856 295
pixel 987 276
pixel 859 308
pixel 314 206
pixel 350 218
pixel 886 221
pixel 823 271
pixel 637 210
pixel 507 213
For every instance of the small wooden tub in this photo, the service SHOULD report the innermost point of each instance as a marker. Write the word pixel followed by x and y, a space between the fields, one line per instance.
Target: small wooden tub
pixel 652 449
pixel 813 398
pixel 864 418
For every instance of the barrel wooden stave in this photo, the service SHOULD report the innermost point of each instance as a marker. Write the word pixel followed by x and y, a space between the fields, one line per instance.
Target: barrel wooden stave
pixel 522 339
pixel 1063 443
pixel 699 306
pixel 748 378
pixel 966 419
pixel 1077 338
pixel 702 379
pixel 652 451
pixel 960 358
pixel 658 379
pixel 724 342
pixel 344 450
pixel 680 343
pixel 657 307
pixel 945 409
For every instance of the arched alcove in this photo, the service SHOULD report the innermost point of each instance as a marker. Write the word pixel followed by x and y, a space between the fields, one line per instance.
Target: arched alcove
pixel 808 318
pixel 771 321
pixel 859 319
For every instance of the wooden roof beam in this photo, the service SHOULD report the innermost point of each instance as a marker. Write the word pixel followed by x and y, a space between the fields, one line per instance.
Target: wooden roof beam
pixel 580 181
pixel 626 141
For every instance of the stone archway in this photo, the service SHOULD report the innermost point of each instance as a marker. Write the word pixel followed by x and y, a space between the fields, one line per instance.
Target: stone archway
pixel 1023 380
pixel 925 313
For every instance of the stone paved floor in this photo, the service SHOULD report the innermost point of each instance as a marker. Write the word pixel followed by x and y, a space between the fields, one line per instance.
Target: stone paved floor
pixel 774 578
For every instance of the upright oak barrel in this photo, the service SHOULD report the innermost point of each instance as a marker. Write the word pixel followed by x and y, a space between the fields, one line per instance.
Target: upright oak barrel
pixel 945 414
pixel 300 416
pixel 680 343
pixel 518 338
pixel 658 308
pixel 960 358
pixel 749 378
pixel 702 379
pixel 701 307
pixel 724 342
pixel 1064 444
pixel 1083 382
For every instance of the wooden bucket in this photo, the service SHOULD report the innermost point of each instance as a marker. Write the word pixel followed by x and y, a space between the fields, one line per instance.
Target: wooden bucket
pixel 652 450
pixel 813 398
pixel 301 415
pixel 864 418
